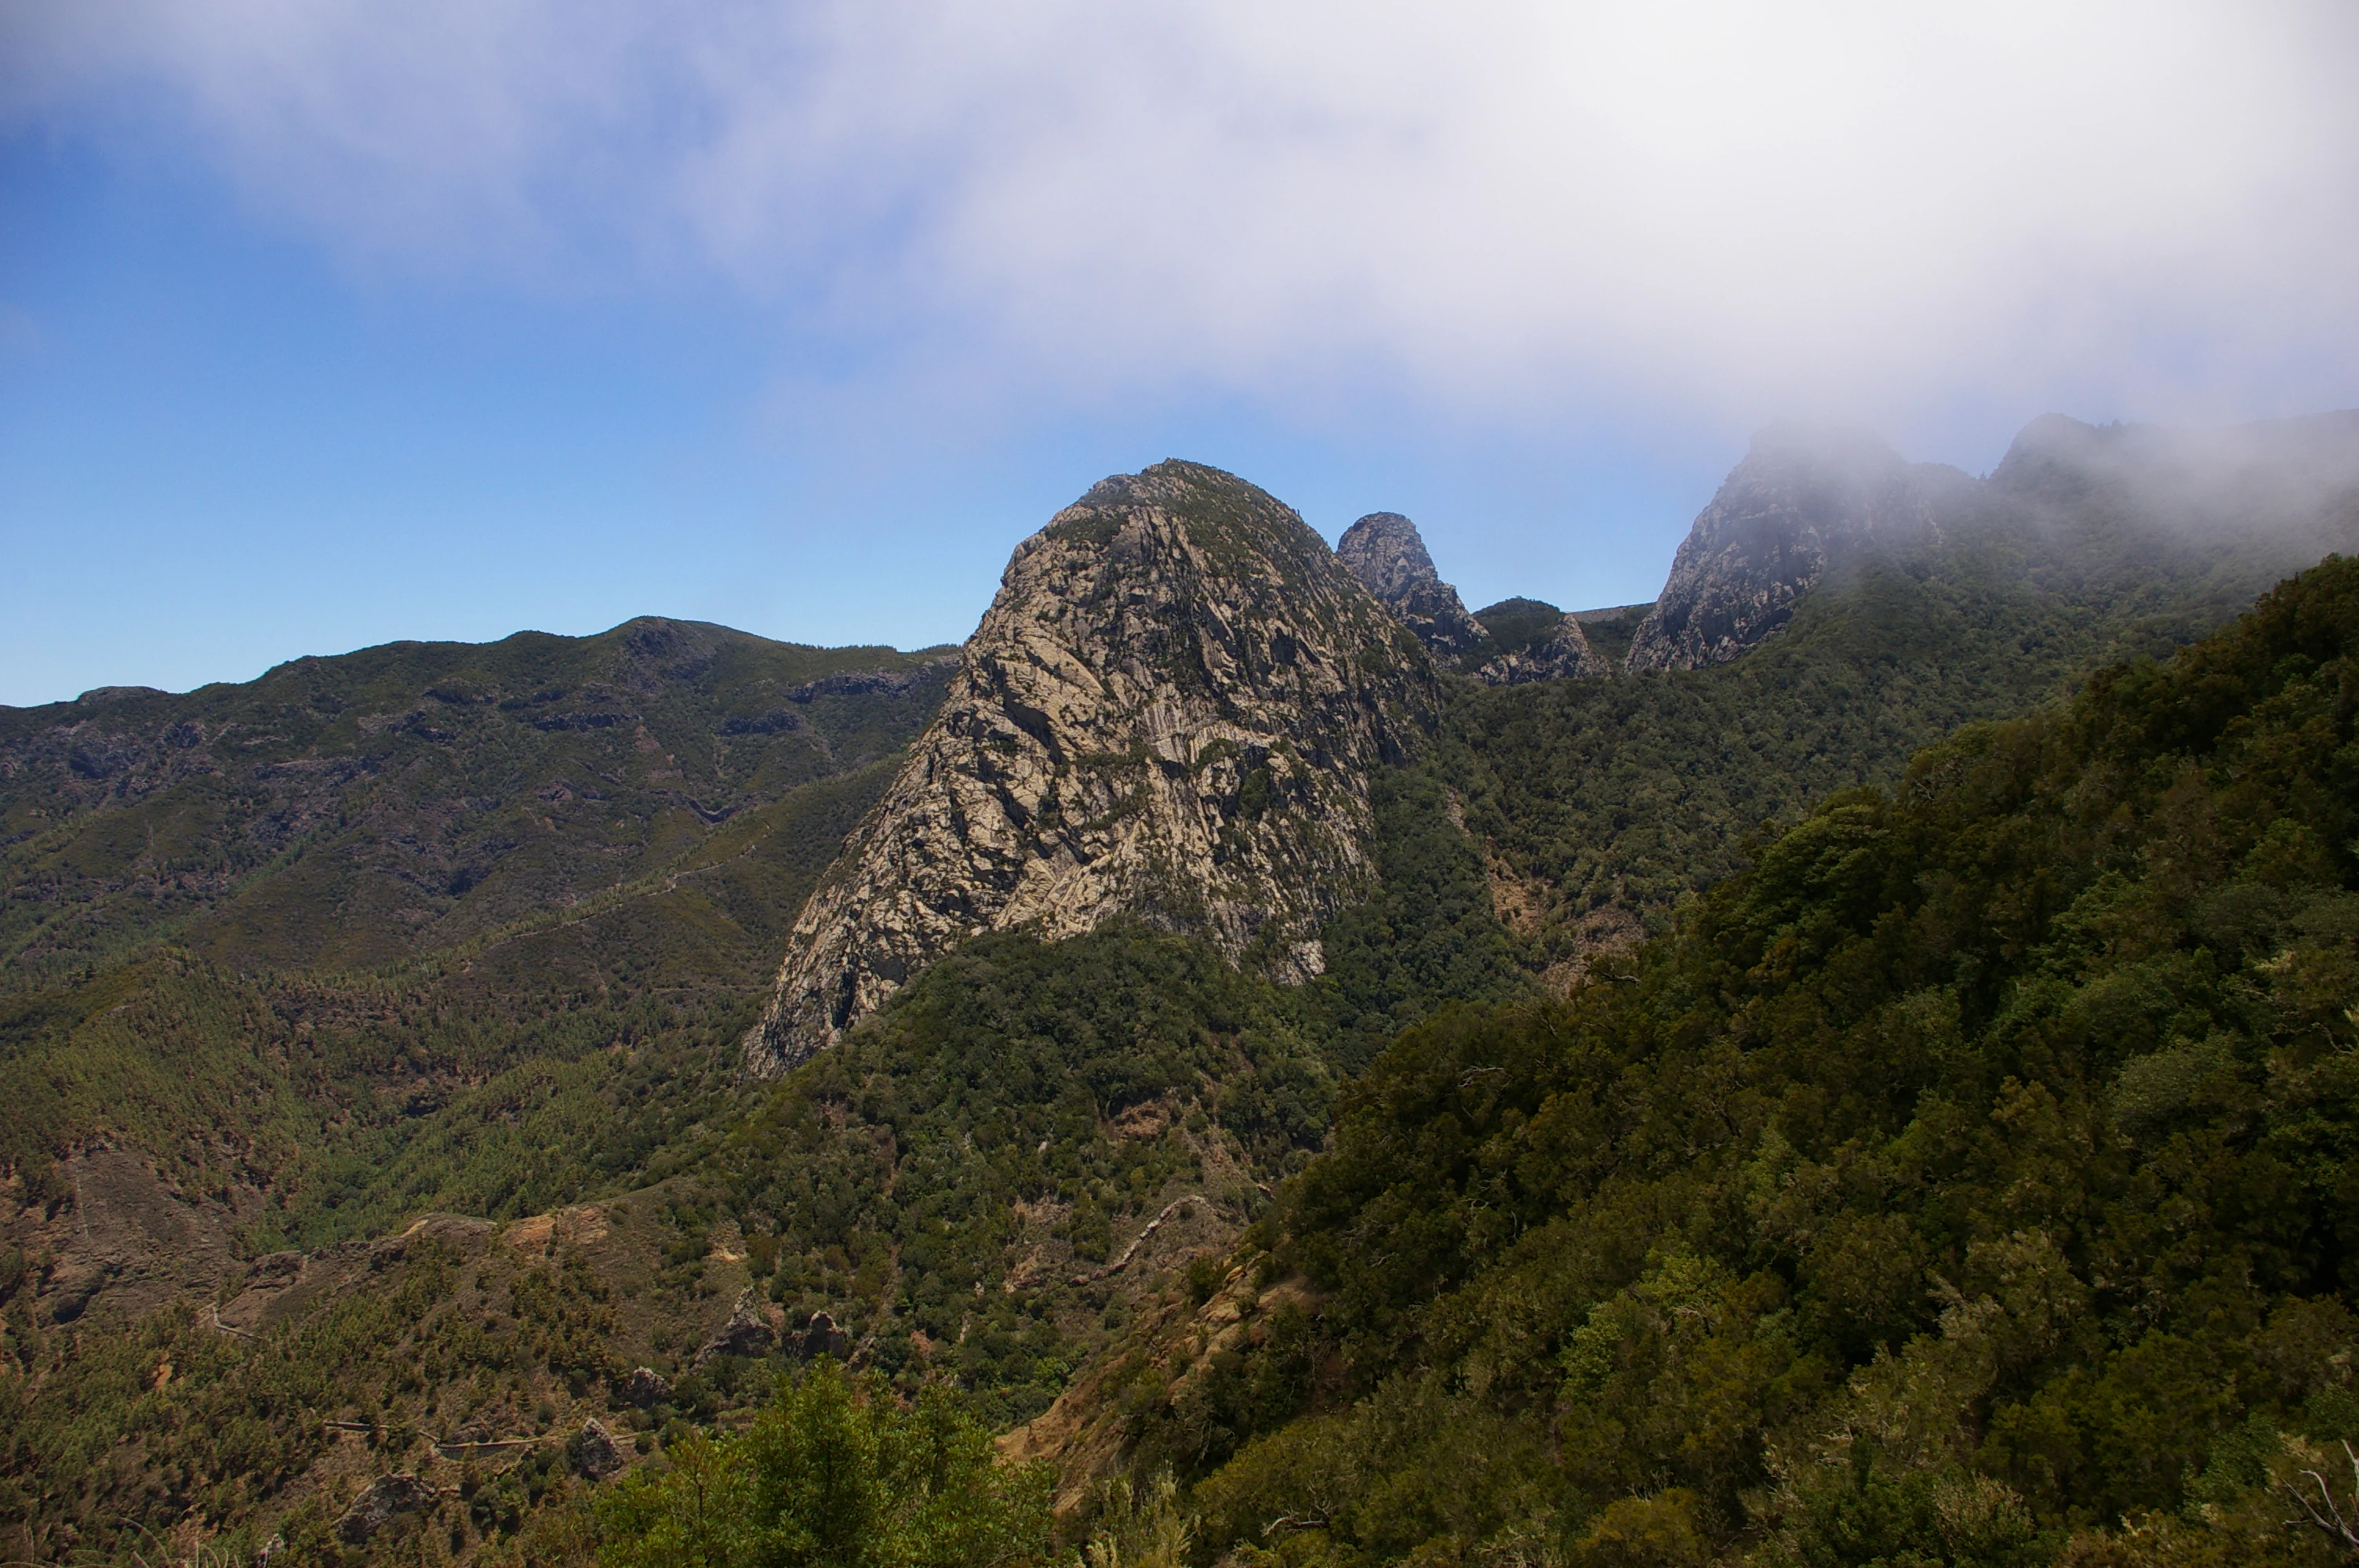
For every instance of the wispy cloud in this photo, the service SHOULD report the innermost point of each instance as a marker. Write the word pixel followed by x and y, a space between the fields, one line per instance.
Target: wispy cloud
pixel 1712 206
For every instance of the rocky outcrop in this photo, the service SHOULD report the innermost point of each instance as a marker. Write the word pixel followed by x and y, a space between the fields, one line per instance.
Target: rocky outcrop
pixel 749 1332
pixel 819 1337
pixel 1170 713
pixel 645 1388
pixel 1801 499
pixel 1562 652
pixel 386 1496
pixel 1385 552
pixel 594 1452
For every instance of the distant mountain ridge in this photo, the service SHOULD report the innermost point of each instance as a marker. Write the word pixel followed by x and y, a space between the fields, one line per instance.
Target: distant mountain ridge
pixel 1807 499
pixel 412 795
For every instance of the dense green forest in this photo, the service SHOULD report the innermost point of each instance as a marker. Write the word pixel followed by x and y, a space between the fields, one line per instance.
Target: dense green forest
pixel 430 927
pixel 948 1188
pixel 1604 802
pixel 1968 1180
pixel 1730 1132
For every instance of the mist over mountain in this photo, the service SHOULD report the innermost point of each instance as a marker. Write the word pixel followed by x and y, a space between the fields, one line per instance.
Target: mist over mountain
pixel 1246 1020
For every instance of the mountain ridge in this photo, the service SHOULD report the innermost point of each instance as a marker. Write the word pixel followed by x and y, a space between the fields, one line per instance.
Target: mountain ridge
pixel 1034 1143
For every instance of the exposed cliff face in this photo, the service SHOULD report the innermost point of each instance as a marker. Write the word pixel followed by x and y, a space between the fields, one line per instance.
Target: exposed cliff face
pixel 1385 553
pixel 1561 653
pixel 1802 498
pixel 1171 712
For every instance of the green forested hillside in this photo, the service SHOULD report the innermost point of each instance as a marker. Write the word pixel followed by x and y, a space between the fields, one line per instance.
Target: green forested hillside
pixel 425 926
pixel 1958 1172
pixel 348 812
pixel 957 1189
pixel 1601 803
pixel 1966 1181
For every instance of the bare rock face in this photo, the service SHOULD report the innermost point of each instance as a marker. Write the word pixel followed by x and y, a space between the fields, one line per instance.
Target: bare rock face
pixel 1384 551
pixel 1170 713
pixel 1802 498
pixel 1562 653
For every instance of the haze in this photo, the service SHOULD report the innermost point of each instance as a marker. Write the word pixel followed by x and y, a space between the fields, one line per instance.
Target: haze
pixel 326 324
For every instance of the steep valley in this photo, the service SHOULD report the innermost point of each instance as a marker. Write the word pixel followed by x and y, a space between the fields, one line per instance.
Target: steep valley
pixel 1242 1018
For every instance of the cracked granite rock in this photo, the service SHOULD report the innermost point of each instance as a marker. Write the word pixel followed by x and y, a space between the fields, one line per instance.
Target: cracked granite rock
pixel 1170 713
pixel 1384 551
pixel 1802 498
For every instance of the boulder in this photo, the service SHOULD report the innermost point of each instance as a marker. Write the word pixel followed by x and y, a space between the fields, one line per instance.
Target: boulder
pixel 817 1338
pixel 594 1452
pixel 747 1332
pixel 645 1388
pixel 386 1496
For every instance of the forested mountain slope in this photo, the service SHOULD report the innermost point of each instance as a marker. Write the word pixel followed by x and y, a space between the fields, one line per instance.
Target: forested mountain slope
pixel 1966 1181
pixel 347 812
pixel 428 925
pixel 296 965
pixel 1902 601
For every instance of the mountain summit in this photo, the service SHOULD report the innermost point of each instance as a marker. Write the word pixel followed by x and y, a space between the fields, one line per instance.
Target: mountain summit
pixel 1169 713
pixel 1384 551
pixel 1802 498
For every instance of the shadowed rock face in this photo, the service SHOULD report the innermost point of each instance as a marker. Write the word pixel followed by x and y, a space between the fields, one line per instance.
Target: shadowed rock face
pixel 1800 498
pixel 1169 713
pixel 1385 553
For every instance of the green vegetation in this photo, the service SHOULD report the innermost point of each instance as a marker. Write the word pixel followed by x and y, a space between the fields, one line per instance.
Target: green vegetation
pixel 1608 801
pixel 1515 624
pixel 1964 1178
pixel 424 926
pixel 1612 633
pixel 1958 1177
pixel 1088 1084
pixel 113 1438
pixel 834 1473
pixel 935 1187
pixel 419 798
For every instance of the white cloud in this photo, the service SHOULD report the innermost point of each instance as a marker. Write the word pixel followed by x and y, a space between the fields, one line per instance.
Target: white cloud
pixel 1713 206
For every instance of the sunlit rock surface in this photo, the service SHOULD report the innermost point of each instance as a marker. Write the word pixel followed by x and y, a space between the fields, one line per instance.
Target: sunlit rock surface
pixel 1169 713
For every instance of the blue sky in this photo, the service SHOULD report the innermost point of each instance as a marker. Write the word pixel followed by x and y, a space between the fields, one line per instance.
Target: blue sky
pixel 324 326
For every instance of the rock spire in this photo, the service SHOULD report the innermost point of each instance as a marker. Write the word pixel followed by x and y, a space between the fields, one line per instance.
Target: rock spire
pixel 1385 553
pixel 1169 713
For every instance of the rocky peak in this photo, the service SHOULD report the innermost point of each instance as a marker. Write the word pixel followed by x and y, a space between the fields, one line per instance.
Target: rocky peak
pixel 1802 498
pixel 1169 713
pixel 1560 653
pixel 1385 553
